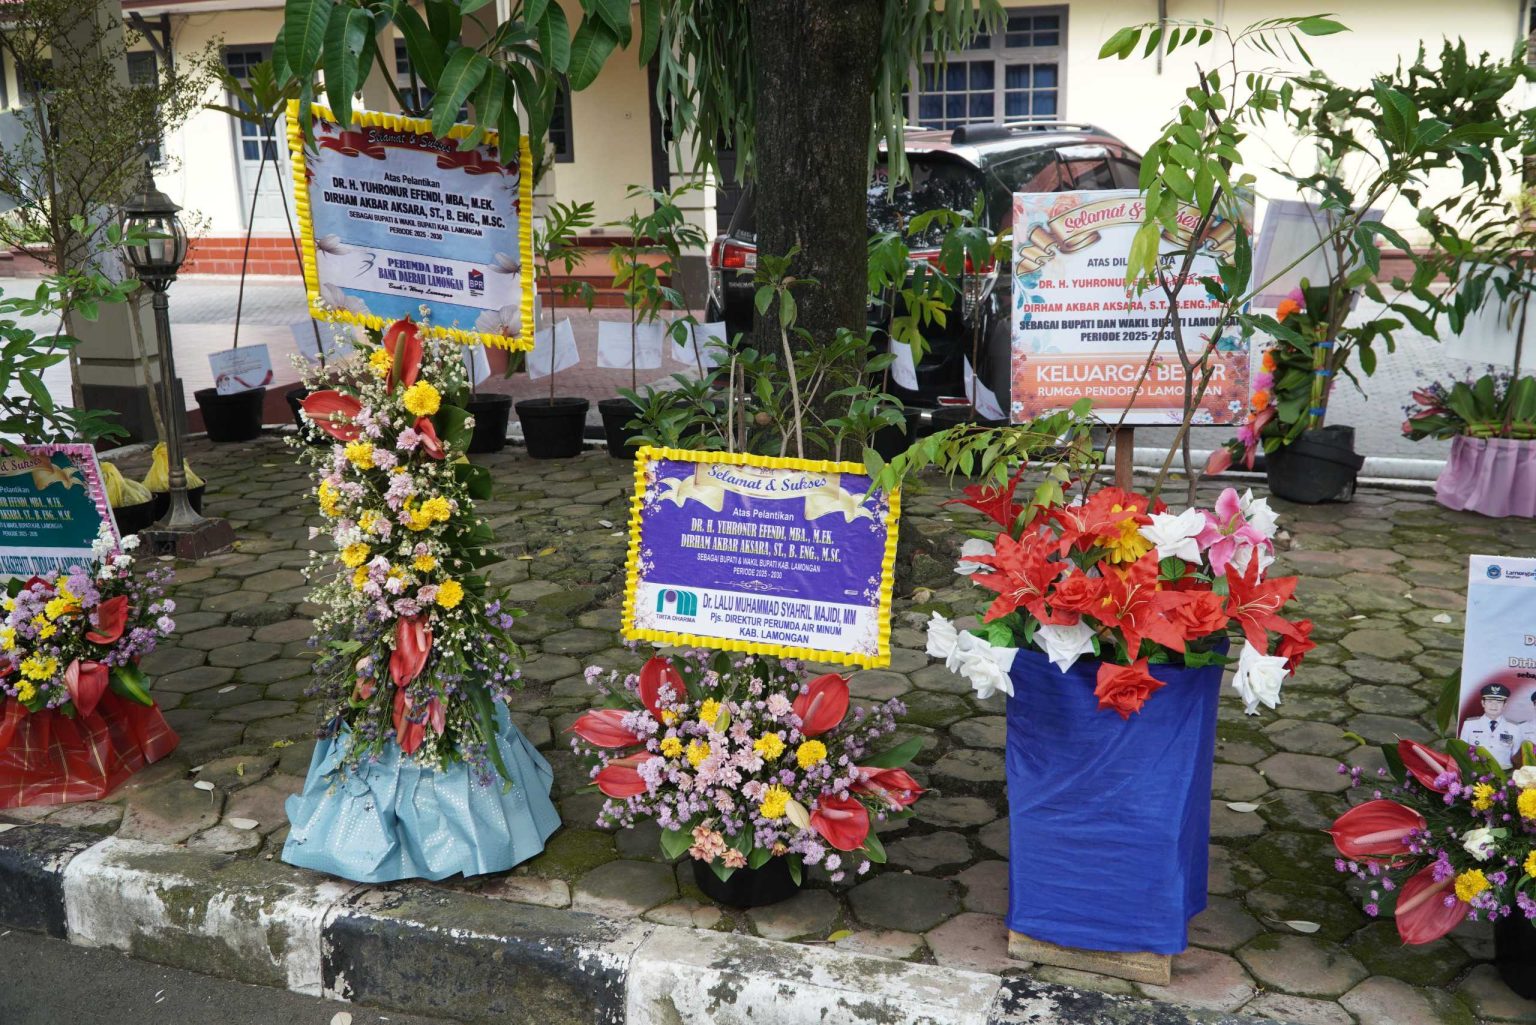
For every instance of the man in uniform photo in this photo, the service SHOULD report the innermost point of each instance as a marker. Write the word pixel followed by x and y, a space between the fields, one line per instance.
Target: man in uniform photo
pixel 1492 730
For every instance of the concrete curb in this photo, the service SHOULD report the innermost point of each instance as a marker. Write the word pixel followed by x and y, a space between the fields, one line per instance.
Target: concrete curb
pixel 421 949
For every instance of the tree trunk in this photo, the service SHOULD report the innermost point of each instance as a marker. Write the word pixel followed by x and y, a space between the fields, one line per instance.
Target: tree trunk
pixel 815 62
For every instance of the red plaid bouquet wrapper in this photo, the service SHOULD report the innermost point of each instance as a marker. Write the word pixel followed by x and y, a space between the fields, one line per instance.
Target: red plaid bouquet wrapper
pixel 47 757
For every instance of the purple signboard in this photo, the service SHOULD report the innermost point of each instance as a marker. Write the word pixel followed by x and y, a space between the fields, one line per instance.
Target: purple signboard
pixel 787 557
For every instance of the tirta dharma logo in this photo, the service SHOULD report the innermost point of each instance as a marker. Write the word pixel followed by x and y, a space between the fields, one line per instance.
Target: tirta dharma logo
pixel 1494 572
pixel 680 603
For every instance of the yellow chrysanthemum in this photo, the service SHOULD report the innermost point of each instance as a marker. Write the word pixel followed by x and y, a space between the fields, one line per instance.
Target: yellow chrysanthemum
pixel 415 518
pixel 359 577
pixel 774 803
pixel 359 454
pixel 1526 803
pixel 25 691
pixel 423 563
pixel 811 753
pixel 1127 545
pixel 450 593
pixel 46 631
pixel 769 745
pixel 671 747
pixel 7 638
pixel 1482 796
pixel 697 752
pixel 355 554
pixel 379 361
pixel 421 399
pixel 709 711
pixel 1470 883
pixel 438 508
pixel 1530 864
pixel 329 499
pixel 668 717
pixel 61 588
pixel 39 667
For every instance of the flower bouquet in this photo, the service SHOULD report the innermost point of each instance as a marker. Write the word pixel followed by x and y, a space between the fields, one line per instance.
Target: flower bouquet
pixel 1108 630
pixel 76 718
pixel 1491 424
pixel 415 655
pixel 746 768
pixel 1455 841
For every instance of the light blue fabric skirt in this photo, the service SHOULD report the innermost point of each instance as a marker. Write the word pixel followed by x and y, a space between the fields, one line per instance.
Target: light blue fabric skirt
pixel 395 819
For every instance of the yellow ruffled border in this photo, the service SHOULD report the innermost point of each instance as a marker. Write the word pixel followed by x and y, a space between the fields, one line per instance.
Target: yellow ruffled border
pixel 399 123
pixel 647 454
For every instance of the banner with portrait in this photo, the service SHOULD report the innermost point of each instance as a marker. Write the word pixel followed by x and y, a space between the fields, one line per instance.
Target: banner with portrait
pixel 393 218
pixel 766 555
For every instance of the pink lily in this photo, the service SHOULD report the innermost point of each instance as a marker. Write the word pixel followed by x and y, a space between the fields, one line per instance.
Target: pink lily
pixel 1226 531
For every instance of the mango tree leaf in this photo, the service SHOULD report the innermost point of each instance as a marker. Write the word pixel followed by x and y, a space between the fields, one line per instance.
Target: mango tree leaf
pixel 303 35
pixel 345 38
pixel 425 55
pixel 463 72
pixel 555 38
pixel 593 44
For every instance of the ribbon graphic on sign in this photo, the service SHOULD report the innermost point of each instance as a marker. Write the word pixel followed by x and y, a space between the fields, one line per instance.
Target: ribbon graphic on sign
pixel 1079 228
pixel 353 144
pixel 822 498
pixel 44 473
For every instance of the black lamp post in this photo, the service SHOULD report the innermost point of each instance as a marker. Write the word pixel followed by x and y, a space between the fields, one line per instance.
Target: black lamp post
pixel 151 217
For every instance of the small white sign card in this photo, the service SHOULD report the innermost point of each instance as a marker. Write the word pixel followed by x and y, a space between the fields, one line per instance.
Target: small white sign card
pixel 706 344
pixel 238 370
pixel 556 343
pixel 613 345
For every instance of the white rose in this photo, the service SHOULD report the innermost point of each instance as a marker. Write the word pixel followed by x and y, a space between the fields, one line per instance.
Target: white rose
pixel 985 666
pixel 1064 645
pixel 973 546
pixel 1244 555
pixel 1175 536
pixel 1258 678
pixel 1258 513
pixel 1524 777
pixel 942 637
pixel 1479 843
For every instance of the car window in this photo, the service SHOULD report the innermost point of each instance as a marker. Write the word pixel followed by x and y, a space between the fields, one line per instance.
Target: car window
pixel 1126 171
pixel 935 185
pixel 1034 172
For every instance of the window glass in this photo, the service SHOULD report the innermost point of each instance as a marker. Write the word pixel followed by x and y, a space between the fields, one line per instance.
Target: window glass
pixel 1012 75
pixel 935 185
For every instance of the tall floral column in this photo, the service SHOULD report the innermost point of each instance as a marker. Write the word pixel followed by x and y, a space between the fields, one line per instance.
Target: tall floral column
pixel 421 774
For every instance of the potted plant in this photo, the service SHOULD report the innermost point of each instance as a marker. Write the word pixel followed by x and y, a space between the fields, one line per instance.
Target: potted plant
pixel 1491 424
pixel 1453 840
pixel 76 718
pixel 553 426
pixel 652 254
pixel 1109 631
pixel 749 770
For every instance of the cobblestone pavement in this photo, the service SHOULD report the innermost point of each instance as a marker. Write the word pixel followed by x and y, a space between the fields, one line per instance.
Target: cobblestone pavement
pixel 1383 578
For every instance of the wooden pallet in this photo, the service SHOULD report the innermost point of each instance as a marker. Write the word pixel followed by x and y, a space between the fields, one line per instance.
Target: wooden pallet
pixel 1136 966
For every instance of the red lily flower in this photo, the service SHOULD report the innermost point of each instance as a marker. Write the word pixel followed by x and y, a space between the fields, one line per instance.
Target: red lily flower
pixel 895 787
pixel 620 778
pixel 1134 605
pixel 656 672
pixel 331 411
pixel 1422 914
pixel 1103 512
pixel 1425 763
pixel 603 727
pixel 409 734
pixel 430 443
pixel 1125 688
pixel 402 340
pixel 994 502
pixel 111 619
pixel 1023 574
pixel 86 683
pixel 842 821
pixel 1375 829
pixel 823 704
pixel 1256 604
pixel 1293 646
pixel 413 642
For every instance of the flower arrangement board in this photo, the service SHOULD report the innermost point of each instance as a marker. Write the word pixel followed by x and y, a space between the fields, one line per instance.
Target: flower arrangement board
pixel 1078 333
pixel 53 506
pixel 1497 702
pixel 392 218
pixel 762 555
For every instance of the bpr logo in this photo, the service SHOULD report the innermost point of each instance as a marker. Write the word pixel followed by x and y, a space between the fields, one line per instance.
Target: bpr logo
pixel 684 603
pixel 476 282
pixel 1494 572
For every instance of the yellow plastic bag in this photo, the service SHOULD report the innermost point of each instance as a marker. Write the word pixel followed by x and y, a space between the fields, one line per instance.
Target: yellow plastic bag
pixel 122 491
pixel 158 477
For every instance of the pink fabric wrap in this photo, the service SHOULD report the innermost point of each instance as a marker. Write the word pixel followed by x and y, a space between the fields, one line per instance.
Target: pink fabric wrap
pixel 1492 476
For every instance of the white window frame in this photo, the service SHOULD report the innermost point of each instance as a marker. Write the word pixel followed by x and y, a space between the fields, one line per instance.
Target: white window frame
pixel 1001 55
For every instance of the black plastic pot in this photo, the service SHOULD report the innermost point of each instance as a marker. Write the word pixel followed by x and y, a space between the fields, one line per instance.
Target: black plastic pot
pixel 892 441
pixel 747 887
pixel 552 428
pixel 162 502
pixel 491 413
pixel 133 518
pixel 946 417
pixel 1320 466
pixel 616 413
pixel 234 417
pixel 307 430
pixel 1514 953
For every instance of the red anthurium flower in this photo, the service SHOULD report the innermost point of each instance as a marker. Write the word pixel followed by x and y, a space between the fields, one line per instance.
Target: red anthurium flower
pixel 1375 829
pixel 620 778
pixel 657 672
pixel 86 683
pixel 1293 646
pixel 895 787
pixel 1134 604
pixel 1425 763
pixel 1125 688
pixel 430 443
pixel 842 821
pixel 603 727
pixel 1022 574
pixel 437 715
pixel 1256 603
pixel 1422 914
pixel 823 704
pixel 408 733
pixel 332 412
pixel 994 502
pixel 1220 462
pixel 402 340
pixel 111 619
pixel 413 642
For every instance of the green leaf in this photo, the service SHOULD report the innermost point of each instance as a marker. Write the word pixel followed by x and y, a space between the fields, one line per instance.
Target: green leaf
pixel 464 71
pixel 897 756
pixel 425 55
pixel 131 683
pixel 1450 699
pixel 650 29
pixel 759 857
pixel 1394 762
pixel 452 427
pixel 874 848
pixel 1120 44
pixel 476 480
pixel 614 13
pixel 485 722
pixel 1320 26
pixel 555 38
pixel 345 38
pixel 675 842
pixel 304 25
pixel 793 864
pixel 589 50
pixel 445 20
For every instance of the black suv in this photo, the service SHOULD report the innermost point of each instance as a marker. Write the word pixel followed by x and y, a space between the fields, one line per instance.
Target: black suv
pixel 950 169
